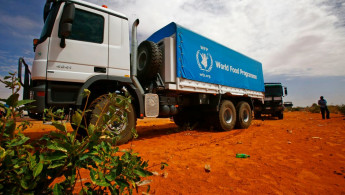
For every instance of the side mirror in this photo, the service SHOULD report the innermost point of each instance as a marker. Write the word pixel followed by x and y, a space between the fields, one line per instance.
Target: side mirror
pixel 66 21
pixel 285 90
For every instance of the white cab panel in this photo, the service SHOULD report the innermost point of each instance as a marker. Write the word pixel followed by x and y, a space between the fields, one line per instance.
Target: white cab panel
pixel 39 66
pixel 77 60
pixel 119 56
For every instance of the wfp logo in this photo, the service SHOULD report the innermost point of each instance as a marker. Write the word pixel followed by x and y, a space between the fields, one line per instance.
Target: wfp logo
pixel 204 59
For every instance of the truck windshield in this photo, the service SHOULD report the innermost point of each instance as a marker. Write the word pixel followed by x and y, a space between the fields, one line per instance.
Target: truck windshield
pixel 276 90
pixel 49 23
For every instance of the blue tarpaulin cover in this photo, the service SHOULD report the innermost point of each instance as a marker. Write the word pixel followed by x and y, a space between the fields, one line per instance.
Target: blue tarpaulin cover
pixel 201 59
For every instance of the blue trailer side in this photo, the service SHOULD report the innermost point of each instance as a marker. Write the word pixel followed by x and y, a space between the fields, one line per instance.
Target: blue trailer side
pixel 201 59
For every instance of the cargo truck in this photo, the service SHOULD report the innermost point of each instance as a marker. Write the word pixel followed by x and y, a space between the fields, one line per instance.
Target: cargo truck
pixel 273 104
pixel 174 73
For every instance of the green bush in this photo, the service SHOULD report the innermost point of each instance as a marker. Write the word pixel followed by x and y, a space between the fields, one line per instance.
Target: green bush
pixel 30 167
pixel 314 108
pixel 333 109
pixel 341 109
pixel 293 109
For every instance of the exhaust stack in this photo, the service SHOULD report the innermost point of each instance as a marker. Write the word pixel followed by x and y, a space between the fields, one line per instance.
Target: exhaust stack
pixel 134 49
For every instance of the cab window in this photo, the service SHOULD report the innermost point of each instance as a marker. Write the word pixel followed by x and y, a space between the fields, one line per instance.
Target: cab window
pixel 87 27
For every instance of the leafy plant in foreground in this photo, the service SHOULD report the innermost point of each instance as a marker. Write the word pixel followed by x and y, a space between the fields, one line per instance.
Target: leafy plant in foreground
pixel 31 167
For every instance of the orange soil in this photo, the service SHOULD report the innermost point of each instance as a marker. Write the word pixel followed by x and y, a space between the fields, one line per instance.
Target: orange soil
pixel 301 154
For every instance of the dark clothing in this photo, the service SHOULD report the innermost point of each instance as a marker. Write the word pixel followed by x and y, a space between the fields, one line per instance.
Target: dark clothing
pixel 323 107
pixel 322 103
pixel 323 112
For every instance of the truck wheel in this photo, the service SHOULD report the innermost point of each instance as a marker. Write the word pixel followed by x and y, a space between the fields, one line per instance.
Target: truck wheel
pixel 227 116
pixel 150 59
pixel 184 119
pixel 257 115
pixel 122 129
pixel 180 119
pixel 188 119
pixel 280 115
pixel 36 116
pixel 244 115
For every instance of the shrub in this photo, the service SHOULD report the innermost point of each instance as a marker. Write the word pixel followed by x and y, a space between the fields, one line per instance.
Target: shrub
pixel 293 109
pixel 342 109
pixel 314 108
pixel 31 167
pixel 333 109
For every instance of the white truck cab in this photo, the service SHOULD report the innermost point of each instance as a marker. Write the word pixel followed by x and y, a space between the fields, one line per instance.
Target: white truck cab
pixel 96 48
pixel 97 32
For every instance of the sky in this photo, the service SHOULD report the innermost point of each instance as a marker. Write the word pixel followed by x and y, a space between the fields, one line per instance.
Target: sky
pixel 300 43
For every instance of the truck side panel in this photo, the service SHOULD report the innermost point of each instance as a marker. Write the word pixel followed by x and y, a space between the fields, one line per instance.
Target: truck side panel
pixel 118 47
pixel 201 59
pixel 83 55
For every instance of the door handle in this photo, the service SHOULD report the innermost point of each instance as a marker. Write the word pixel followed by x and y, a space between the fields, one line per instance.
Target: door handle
pixel 100 70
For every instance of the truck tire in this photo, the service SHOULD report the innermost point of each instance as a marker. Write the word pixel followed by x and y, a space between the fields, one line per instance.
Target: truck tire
pixel 36 116
pixel 244 115
pixel 226 116
pixel 186 119
pixel 280 115
pixel 180 119
pixel 257 115
pixel 150 59
pixel 123 130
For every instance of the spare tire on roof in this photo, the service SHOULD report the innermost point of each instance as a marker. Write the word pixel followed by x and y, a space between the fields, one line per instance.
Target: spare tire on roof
pixel 150 59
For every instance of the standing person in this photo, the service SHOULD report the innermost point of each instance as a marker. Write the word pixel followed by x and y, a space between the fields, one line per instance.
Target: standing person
pixel 323 107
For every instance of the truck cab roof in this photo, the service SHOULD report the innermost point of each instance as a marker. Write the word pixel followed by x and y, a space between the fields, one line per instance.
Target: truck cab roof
pixel 100 8
pixel 273 84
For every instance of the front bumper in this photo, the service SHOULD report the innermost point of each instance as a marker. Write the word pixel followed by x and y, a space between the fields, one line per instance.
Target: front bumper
pixel 270 107
pixel 37 93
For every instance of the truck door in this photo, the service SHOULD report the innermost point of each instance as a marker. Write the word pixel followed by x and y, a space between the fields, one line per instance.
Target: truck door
pixel 86 50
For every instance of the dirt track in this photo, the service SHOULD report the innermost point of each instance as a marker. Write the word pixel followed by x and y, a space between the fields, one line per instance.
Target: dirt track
pixel 301 154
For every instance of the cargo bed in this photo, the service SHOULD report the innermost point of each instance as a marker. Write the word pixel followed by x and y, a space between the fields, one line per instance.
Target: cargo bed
pixel 193 63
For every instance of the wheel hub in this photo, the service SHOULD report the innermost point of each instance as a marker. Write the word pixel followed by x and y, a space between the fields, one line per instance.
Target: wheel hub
pixel 120 123
pixel 227 116
pixel 245 116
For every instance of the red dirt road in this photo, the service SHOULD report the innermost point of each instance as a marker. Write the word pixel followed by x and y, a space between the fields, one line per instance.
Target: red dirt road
pixel 301 154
